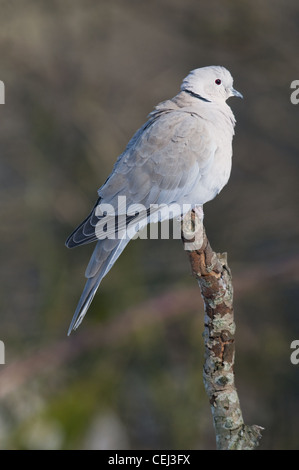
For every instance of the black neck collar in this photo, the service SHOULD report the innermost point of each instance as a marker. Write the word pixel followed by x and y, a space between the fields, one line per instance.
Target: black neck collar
pixel 196 95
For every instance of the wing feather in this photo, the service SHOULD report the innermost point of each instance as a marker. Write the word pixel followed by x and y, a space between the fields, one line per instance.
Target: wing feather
pixel 162 164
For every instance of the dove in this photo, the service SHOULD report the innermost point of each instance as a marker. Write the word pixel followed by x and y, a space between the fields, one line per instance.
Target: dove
pixel 182 155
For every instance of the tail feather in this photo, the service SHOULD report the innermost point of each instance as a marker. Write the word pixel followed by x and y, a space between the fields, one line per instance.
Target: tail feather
pixel 103 258
pixel 101 265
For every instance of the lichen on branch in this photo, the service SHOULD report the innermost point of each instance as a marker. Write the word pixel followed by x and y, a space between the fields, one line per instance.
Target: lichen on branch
pixel 215 281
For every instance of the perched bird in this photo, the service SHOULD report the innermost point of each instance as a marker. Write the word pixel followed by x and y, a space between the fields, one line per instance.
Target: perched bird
pixel 181 155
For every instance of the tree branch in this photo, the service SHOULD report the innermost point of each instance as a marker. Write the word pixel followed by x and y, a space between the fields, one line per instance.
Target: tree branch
pixel 215 282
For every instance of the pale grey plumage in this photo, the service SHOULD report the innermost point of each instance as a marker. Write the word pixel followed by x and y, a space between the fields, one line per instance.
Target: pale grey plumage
pixel 181 155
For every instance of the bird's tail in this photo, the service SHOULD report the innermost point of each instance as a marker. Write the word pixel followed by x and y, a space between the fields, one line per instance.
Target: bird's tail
pixel 103 258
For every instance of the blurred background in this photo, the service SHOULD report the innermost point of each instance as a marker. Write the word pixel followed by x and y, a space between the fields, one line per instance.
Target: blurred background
pixel 80 78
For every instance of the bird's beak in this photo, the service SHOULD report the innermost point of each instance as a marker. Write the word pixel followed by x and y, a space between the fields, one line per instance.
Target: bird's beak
pixel 236 93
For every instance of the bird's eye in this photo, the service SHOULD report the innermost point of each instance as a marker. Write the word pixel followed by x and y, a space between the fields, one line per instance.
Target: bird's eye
pixel 218 81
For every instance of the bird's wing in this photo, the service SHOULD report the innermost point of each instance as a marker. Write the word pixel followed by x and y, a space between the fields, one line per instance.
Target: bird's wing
pixel 162 163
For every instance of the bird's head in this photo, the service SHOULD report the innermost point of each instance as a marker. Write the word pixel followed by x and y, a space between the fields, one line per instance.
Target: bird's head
pixel 213 83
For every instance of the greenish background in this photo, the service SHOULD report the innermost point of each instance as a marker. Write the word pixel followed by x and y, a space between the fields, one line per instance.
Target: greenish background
pixel 80 77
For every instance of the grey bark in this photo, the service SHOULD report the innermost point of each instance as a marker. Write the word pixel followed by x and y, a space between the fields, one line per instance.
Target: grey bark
pixel 215 281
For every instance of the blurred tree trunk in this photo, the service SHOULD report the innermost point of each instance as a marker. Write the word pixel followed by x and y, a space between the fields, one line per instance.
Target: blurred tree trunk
pixel 215 282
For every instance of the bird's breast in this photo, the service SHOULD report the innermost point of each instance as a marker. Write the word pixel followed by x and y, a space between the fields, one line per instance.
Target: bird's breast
pixel 218 173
